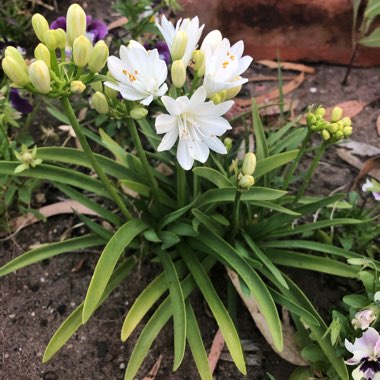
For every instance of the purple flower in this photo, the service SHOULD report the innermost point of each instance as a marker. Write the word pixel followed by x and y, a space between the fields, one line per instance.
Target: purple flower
pixel 366 354
pixel 96 29
pixel 162 48
pixel 363 319
pixel 18 103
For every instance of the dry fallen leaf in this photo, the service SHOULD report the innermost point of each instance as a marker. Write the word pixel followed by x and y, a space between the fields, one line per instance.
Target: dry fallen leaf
pixel 370 166
pixel 153 372
pixel 269 78
pixel 117 23
pixel 215 350
pixel 350 108
pixel 378 125
pixel 360 149
pixel 290 352
pixel 287 66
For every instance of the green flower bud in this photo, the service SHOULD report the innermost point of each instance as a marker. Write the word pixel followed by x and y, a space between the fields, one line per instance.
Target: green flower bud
pixel 100 103
pixel 216 98
pixel 198 59
pixel 75 23
pixel 249 164
pixel 27 158
pixel 246 182
pixel 340 125
pixel 223 95
pixel 11 51
pixel 61 38
pixel 14 71
pixel 228 142
pixel 346 121
pixel 347 131
pixel 320 111
pixel 232 92
pixel 336 114
pixel 98 57
pixel 138 113
pixel 311 119
pixel 40 26
pixel 82 49
pixel 42 52
pixel 179 46
pixel 40 76
pixel 325 135
pixel 178 73
pixel 77 87
pixel 338 135
pixel 51 39
pixel 333 127
pixel 97 86
pixel 110 92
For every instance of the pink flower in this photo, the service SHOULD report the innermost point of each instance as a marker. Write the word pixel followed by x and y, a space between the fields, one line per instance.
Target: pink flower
pixel 363 319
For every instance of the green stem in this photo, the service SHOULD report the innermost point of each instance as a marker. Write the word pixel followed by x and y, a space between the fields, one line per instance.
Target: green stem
pixel 53 62
pixel 295 163
pixel 90 155
pixel 142 155
pixel 196 183
pixel 310 171
pixel 235 214
pixel 181 186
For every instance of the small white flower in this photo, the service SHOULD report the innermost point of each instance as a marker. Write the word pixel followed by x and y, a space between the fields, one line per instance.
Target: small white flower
pixel 197 124
pixel 223 63
pixel 366 354
pixel 190 27
pixel 363 319
pixel 140 73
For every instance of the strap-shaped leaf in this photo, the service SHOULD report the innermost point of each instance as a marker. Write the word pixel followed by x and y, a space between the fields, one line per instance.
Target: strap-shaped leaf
pixel 372 9
pixel 210 223
pixel 195 341
pixel 274 206
pixel 177 302
pixel 273 162
pixel 228 255
pixel 212 175
pixel 219 311
pixel 107 262
pixel 373 40
pixel 50 250
pixel 74 321
pixel 258 129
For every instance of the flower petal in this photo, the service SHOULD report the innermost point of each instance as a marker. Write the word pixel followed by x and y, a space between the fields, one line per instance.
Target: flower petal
pixel 168 140
pixel 183 156
pixel 164 123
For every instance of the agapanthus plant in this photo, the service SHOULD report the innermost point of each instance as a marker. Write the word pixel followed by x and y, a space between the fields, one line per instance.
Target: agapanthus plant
pixel 224 212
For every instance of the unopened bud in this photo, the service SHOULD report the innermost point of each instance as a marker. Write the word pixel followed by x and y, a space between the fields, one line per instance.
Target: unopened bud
pixel 27 158
pixel 97 86
pixel 138 113
pixel 249 164
pixel 61 38
pixel 77 86
pixel 14 71
pixel 179 45
pixel 40 76
pixel 98 57
pixel 228 142
pixel 50 39
pixel 311 119
pixel 246 182
pixel 336 114
pixel 178 73
pixel 100 103
pixel 198 58
pixel 11 51
pixel 347 131
pixel 75 23
pixel 110 92
pixel 338 135
pixel 325 135
pixel 232 92
pixel 320 111
pixel 216 98
pixel 346 121
pixel 40 26
pixel 42 52
pixel 82 48
pixel 333 127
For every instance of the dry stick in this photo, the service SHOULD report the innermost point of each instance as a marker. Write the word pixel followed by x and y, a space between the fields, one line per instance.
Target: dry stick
pixel 353 56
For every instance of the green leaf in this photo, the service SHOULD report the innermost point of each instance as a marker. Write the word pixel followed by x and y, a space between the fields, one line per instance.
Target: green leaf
pixel 95 227
pixel 50 250
pixel 258 129
pixel 228 255
pixel 292 141
pixel 265 260
pixel 182 229
pixel 372 9
pixel 207 221
pixel 356 301
pixel 177 303
pixel 74 321
pixel 273 162
pixel 107 262
pixel 138 187
pixel 212 175
pixel 219 311
pixel 58 115
pixel 169 239
pixel 274 206
pixel 373 40
pixel 119 153
pixel 195 341
pixel 173 216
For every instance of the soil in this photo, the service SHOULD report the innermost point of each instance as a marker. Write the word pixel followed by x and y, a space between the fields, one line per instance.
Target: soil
pixel 36 300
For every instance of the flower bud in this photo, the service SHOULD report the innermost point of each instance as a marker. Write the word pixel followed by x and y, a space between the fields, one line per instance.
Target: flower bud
pixel 311 119
pixel 27 158
pixel 320 111
pixel 42 52
pixel 40 26
pixel 232 92
pixel 346 121
pixel 82 48
pixel 178 73
pixel 363 319
pixel 97 86
pixel 179 45
pixel 336 114
pixel 246 182
pixel 110 92
pixel 347 131
pixel 11 51
pixel 216 99
pixel 198 59
pixel 50 39
pixel 325 135
pixel 99 102
pixel 333 127
pixel 77 87
pixel 98 57
pixel 138 113
pixel 338 135
pixel 75 23
pixel 249 164
pixel 228 142
pixel 61 38
pixel 40 76
pixel 14 71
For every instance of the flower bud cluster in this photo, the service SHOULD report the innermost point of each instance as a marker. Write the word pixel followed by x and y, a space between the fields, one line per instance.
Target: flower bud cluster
pixel 245 177
pixel 332 131
pixel 27 157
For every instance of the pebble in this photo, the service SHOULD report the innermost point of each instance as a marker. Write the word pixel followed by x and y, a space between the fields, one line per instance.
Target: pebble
pixel 11 316
pixel 32 314
pixel 122 366
pixel 42 279
pixel 313 90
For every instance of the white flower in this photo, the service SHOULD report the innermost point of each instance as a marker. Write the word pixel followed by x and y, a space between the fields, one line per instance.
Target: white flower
pixel 140 73
pixel 366 351
pixel 197 124
pixel 372 186
pixel 363 319
pixel 223 63
pixel 190 27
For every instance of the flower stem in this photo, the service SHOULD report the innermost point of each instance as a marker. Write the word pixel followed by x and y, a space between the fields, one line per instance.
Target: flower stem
pixel 142 155
pixel 90 155
pixel 295 163
pixel 181 186
pixel 235 214
pixel 311 170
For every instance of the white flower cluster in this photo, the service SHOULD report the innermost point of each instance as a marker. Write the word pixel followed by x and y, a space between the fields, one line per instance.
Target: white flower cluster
pixel 141 76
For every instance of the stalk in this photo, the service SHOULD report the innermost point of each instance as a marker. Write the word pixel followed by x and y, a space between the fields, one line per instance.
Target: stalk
pixel 181 186
pixel 235 214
